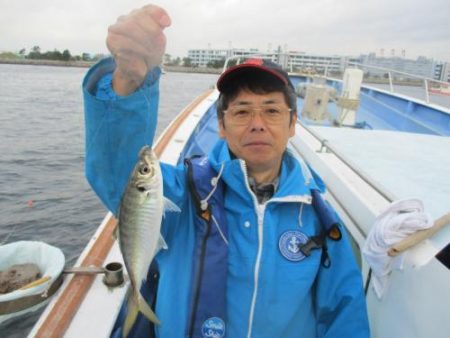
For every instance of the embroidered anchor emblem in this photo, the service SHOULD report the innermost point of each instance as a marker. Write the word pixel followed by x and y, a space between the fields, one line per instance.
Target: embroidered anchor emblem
pixel 293 245
pixel 289 245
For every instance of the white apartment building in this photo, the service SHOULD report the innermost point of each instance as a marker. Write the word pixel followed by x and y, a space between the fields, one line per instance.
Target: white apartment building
pixel 442 72
pixel 307 62
pixel 202 57
pixel 292 61
pixel 422 66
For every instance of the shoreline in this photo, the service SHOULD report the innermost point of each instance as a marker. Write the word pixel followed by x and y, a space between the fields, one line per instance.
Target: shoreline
pixel 87 64
pixel 56 63
pixel 172 69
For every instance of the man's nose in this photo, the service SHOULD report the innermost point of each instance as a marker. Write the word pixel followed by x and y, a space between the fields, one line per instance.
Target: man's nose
pixel 257 122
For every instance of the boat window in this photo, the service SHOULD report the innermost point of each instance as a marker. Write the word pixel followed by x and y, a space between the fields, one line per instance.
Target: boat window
pixel 444 256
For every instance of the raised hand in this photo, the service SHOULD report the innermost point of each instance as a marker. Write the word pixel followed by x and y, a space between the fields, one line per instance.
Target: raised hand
pixel 137 43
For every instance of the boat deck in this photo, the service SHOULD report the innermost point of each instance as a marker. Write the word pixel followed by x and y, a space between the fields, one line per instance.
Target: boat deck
pixel 409 165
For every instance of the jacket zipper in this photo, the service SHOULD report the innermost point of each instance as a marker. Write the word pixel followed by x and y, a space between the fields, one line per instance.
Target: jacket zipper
pixel 260 209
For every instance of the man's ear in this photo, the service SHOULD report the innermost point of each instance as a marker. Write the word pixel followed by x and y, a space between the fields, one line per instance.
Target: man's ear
pixel 221 128
pixel 292 125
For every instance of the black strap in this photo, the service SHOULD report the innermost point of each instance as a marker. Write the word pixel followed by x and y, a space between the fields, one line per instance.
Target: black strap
pixel 314 242
pixel 317 242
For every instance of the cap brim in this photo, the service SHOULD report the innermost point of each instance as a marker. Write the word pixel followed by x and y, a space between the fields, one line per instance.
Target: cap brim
pixel 235 71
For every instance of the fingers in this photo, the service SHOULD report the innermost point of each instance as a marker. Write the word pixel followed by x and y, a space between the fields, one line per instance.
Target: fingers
pixel 142 24
pixel 158 14
pixel 123 47
pixel 137 42
pixel 147 34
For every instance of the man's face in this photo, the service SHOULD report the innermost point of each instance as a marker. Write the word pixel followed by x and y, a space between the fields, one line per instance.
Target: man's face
pixel 259 143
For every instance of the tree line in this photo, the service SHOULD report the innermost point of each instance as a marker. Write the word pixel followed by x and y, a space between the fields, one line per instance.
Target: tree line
pixel 36 54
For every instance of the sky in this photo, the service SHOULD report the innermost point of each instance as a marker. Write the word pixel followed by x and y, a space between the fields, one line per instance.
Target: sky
pixel 332 27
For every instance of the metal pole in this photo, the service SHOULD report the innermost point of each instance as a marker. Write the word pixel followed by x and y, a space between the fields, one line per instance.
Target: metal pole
pixel 427 95
pixel 391 86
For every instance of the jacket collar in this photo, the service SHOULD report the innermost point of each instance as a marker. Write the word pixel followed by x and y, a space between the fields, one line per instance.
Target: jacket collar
pixel 294 184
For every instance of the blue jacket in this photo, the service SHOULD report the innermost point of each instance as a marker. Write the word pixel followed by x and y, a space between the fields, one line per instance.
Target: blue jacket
pixel 267 294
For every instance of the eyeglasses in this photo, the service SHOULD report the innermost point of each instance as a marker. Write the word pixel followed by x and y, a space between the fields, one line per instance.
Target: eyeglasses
pixel 241 115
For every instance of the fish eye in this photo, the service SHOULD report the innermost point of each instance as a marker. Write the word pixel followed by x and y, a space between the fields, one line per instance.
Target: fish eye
pixel 144 169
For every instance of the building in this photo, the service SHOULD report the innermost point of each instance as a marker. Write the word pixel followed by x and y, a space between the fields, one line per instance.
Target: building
pixel 292 60
pixel 300 61
pixel 445 75
pixel 422 66
pixel 205 57
pixel 442 72
pixel 331 64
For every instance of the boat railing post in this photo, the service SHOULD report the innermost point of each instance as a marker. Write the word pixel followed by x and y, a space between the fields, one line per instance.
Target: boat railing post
pixel 391 86
pixel 427 95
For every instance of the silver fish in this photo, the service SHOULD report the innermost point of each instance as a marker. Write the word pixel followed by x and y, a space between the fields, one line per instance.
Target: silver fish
pixel 140 214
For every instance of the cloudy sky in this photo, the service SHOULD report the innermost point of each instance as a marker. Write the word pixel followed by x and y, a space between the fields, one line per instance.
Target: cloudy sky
pixel 342 27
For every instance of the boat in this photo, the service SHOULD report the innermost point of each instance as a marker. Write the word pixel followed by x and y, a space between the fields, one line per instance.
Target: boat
pixel 372 147
pixel 48 262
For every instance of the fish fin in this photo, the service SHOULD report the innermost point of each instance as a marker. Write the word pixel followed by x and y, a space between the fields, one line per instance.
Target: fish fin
pixel 170 206
pixel 147 311
pixel 132 312
pixel 162 243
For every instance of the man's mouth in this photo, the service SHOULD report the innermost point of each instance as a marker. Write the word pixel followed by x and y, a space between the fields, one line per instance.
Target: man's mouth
pixel 256 143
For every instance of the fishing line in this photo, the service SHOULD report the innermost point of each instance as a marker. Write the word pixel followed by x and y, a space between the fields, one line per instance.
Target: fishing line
pixel 142 92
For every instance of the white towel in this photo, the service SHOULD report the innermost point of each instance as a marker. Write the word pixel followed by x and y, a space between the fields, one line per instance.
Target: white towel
pixel 399 220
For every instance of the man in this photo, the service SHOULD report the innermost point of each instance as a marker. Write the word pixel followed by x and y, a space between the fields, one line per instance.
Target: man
pixel 271 289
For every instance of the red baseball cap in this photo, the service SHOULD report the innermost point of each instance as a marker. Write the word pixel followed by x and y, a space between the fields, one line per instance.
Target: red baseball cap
pixel 257 65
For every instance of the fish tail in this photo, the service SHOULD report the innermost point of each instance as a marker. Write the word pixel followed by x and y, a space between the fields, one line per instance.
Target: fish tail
pixel 132 312
pixel 147 311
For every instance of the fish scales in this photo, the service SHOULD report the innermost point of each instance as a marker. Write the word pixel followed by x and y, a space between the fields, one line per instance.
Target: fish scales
pixel 140 215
